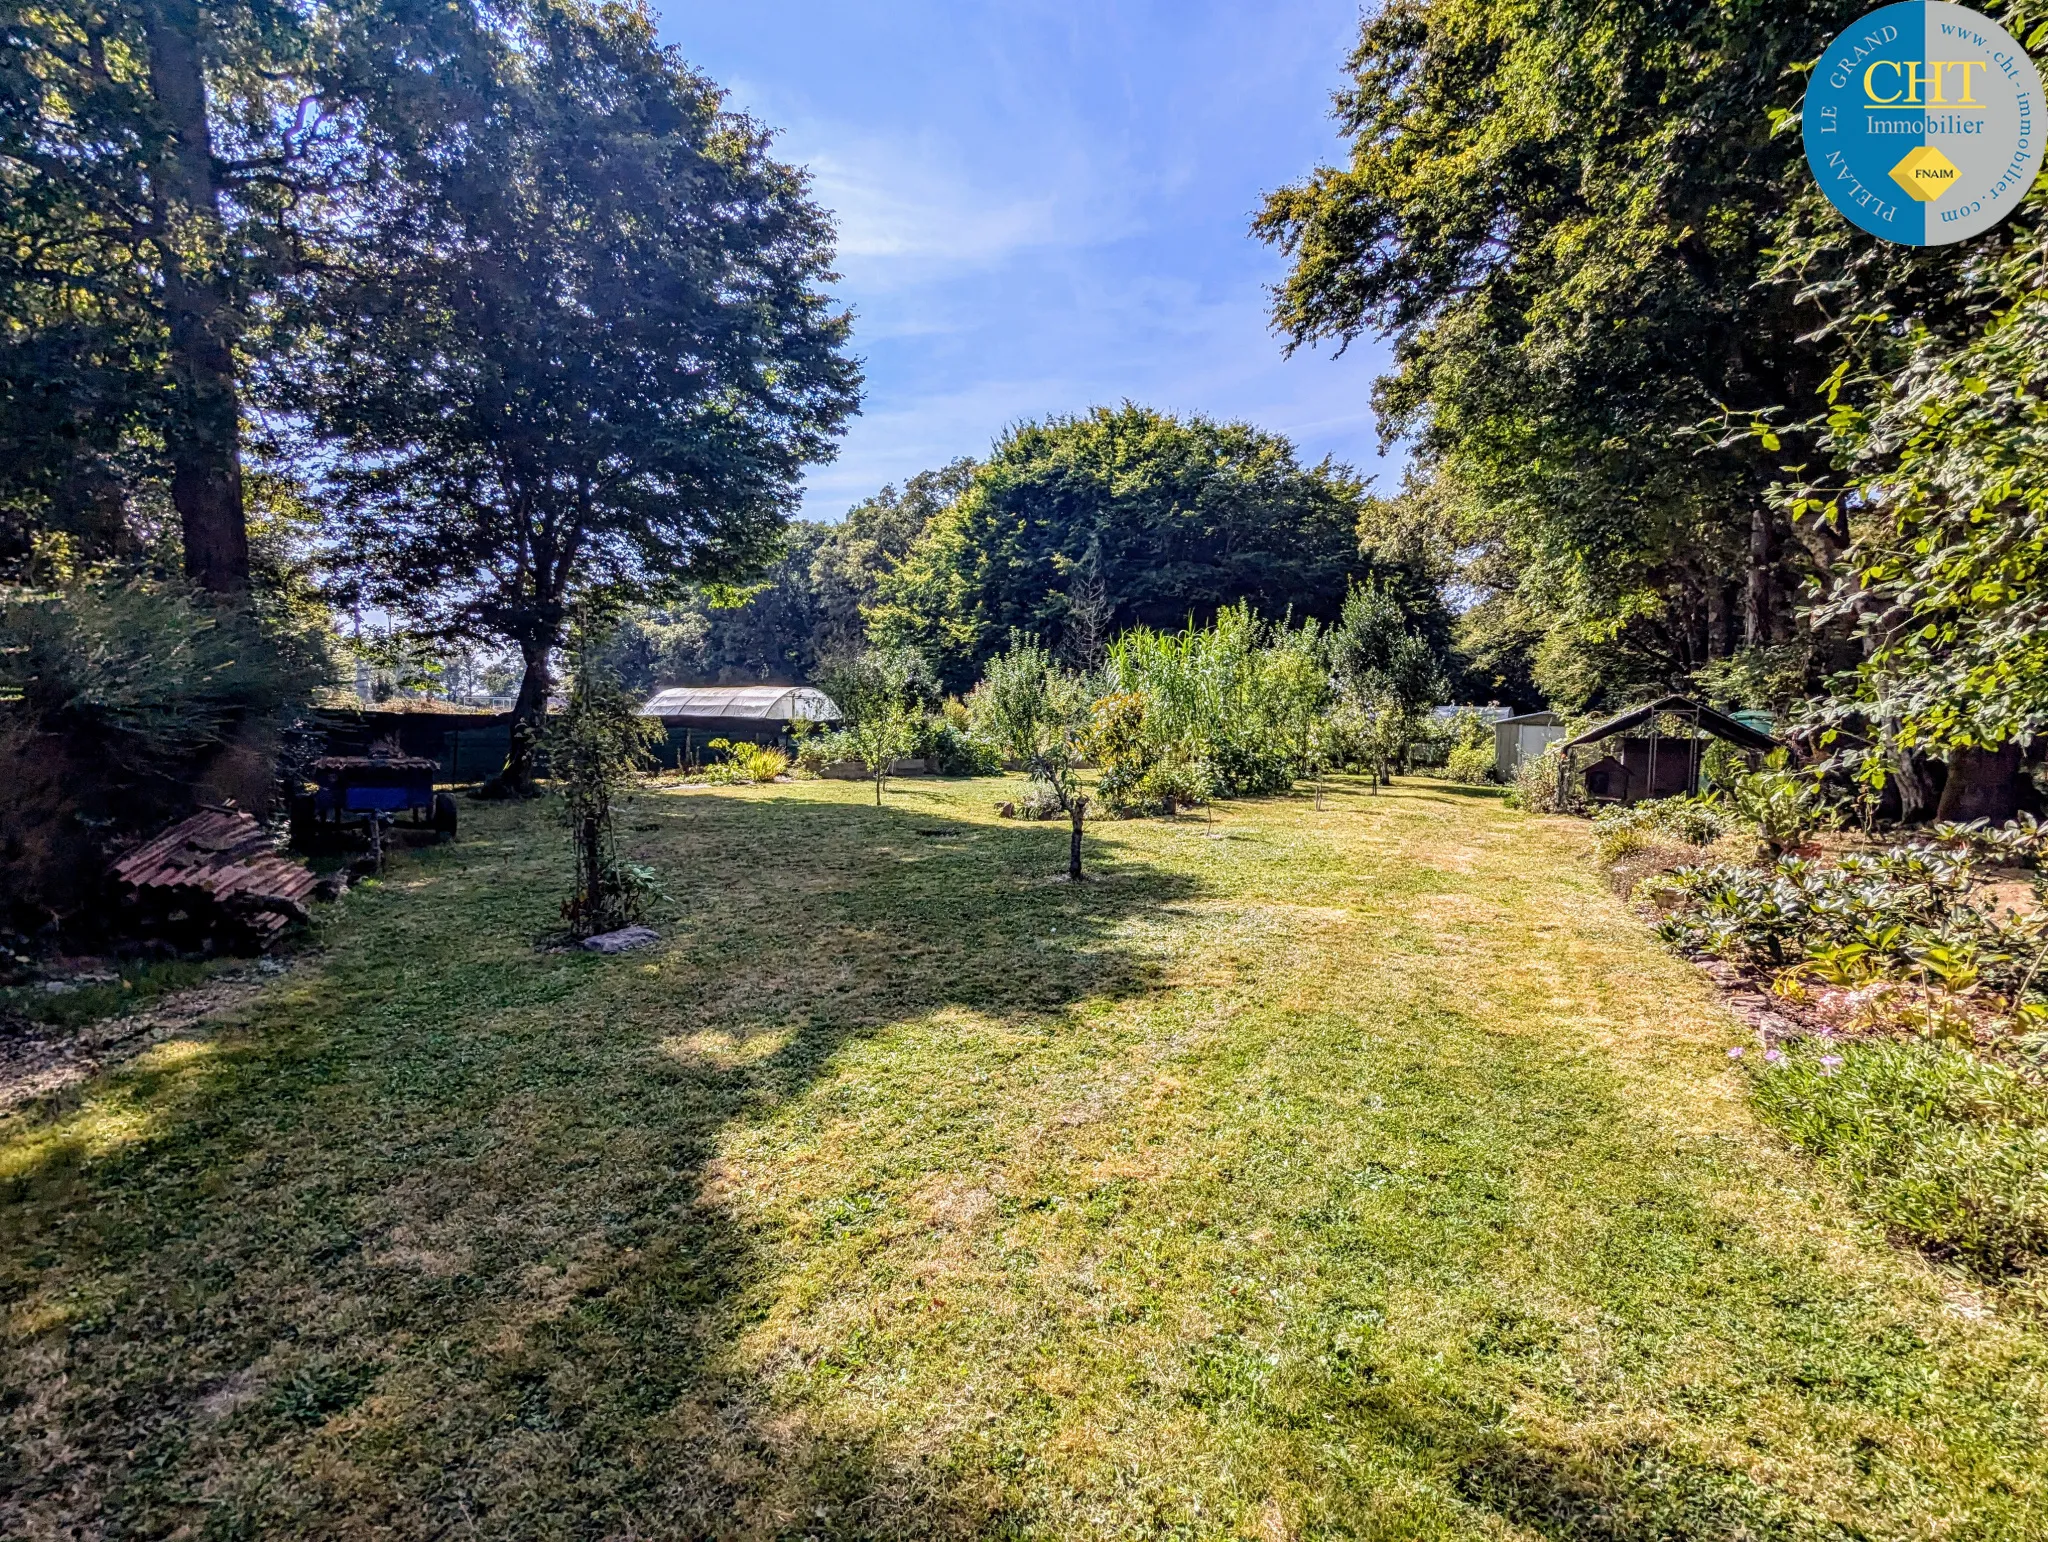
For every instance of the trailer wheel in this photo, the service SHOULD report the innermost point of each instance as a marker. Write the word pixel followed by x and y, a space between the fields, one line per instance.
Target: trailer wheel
pixel 444 816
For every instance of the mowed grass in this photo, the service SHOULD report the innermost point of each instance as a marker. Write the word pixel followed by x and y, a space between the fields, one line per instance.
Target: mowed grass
pixel 1366 1172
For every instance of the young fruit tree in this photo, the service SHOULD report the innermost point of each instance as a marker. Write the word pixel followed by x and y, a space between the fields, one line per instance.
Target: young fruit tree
pixel 1387 671
pixel 883 693
pixel 1037 713
pixel 582 348
pixel 594 750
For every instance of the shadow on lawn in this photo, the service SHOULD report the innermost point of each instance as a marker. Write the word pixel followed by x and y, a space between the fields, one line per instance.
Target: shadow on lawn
pixel 427 1249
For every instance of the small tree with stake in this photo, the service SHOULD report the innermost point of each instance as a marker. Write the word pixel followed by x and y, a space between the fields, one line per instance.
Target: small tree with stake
pixel 594 749
pixel 882 692
pixel 1037 713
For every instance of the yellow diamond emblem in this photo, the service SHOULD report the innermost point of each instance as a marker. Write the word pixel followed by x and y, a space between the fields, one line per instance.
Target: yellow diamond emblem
pixel 1925 173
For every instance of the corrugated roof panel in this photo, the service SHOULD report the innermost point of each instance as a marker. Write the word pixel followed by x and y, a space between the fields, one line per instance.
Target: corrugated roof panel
pixel 758 703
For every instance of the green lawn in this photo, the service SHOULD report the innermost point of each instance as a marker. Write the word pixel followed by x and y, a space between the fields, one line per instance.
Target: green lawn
pixel 1368 1172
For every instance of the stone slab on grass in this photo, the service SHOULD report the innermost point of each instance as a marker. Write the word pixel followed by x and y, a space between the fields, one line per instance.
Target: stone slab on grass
pixel 622 941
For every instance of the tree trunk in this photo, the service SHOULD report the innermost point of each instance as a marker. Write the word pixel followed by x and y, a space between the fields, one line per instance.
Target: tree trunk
pixel 1918 788
pixel 529 718
pixel 1756 599
pixel 1717 619
pixel 204 439
pixel 1982 784
pixel 1075 810
pixel 595 900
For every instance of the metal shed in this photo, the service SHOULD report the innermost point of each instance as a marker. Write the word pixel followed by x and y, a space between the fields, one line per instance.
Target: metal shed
pixel 1516 739
pixel 1655 765
pixel 695 715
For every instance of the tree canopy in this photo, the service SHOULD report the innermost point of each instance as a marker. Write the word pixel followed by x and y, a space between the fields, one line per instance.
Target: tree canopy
pixel 1562 210
pixel 1077 527
pixel 581 344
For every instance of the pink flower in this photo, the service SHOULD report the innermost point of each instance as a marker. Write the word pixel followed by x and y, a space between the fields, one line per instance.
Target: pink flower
pixel 1735 1053
pixel 1774 1055
pixel 1829 1062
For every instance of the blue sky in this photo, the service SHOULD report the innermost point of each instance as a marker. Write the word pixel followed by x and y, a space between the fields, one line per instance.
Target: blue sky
pixel 1043 206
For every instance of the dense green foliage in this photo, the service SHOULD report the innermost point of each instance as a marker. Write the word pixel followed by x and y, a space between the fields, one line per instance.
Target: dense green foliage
pixel 1561 210
pixel 580 347
pixel 164 167
pixel 1944 441
pixel 118 698
pixel 803 614
pixel 1075 529
pixel 1225 709
pixel 1944 1148
pixel 1662 396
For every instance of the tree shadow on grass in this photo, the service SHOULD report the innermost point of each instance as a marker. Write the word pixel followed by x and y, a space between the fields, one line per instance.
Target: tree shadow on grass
pixel 425 1247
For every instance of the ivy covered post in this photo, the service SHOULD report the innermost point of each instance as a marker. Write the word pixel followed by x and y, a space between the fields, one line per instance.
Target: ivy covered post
pixel 594 750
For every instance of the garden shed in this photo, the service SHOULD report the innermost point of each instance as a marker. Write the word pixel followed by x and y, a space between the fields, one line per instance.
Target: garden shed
pixel 1516 739
pixel 695 715
pixel 1646 761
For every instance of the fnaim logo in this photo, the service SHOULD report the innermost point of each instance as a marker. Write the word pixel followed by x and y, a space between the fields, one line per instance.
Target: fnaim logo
pixel 1924 122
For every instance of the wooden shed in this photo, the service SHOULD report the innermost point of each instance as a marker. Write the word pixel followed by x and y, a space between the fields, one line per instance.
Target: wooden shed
pixel 1643 762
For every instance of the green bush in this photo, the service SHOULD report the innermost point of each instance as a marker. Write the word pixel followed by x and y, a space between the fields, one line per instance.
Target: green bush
pixel 951 750
pixel 122 703
pixel 1535 789
pixel 1620 832
pixel 1472 764
pixel 1948 1149
pixel 1784 805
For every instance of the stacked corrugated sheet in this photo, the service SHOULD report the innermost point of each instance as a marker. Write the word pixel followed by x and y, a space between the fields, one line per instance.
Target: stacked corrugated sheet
pixel 218 871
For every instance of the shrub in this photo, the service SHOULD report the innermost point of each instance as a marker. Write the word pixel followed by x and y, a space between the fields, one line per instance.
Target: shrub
pixel 951 749
pixel 744 761
pixel 1471 764
pixel 1535 787
pixel 2021 843
pixel 1621 832
pixel 123 702
pixel 1950 1150
pixel 759 762
pixel 1241 696
pixel 1785 806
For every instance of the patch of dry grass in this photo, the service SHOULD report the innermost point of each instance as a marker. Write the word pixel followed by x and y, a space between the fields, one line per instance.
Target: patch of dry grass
pixel 1368 1172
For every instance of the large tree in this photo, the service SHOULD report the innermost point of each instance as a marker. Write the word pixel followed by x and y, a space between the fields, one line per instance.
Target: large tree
pixel 163 165
pixel 1119 518
pixel 804 614
pixel 581 343
pixel 1563 211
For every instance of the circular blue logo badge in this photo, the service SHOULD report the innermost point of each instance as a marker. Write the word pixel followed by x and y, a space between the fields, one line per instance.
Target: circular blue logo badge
pixel 1924 123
